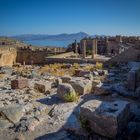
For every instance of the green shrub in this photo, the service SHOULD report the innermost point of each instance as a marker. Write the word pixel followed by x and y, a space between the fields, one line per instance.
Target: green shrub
pixel 99 65
pixel 70 97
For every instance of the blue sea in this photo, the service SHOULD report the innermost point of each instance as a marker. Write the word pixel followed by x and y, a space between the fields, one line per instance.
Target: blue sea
pixel 55 43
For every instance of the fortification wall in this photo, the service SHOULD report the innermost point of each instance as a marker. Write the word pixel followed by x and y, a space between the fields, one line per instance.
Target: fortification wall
pixel 7 56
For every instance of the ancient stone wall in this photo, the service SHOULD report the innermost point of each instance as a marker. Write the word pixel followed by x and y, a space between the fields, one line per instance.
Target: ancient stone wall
pixel 131 54
pixel 7 56
pixel 10 55
pixel 71 60
pixel 31 57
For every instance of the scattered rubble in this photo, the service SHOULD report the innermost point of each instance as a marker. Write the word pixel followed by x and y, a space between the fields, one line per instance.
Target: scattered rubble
pixel 89 103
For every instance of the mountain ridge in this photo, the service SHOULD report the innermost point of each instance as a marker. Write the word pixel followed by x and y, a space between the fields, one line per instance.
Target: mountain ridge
pixel 63 36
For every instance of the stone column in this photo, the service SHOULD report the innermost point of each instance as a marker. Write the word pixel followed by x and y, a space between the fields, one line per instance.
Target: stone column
pixel 24 63
pixel 83 49
pixel 93 49
pixel 76 51
pixel 96 49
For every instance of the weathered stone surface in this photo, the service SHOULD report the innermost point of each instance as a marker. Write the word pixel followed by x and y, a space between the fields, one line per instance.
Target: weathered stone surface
pixel 81 86
pixel 28 107
pixel 57 82
pixel 66 66
pixel 6 70
pixel 42 87
pixel 105 118
pixel 120 89
pixel 65 91
pixel 32 124
pixel 137 92
pixel 103 89
pixel 95 83
pixel 101 72
pixel 89 76
pixel 20 136
pixel 19 83
pixel 26 74
pixel 95 73
pixel 81 73
pixel 12 113
pixel 4 123
pixel 66 79
pixel 49 77
pixel 8 57
pixel 131 80
pixel 64 114
pixel 135 109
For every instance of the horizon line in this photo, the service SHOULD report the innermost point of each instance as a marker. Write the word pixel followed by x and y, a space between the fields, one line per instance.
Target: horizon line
pixel 69 34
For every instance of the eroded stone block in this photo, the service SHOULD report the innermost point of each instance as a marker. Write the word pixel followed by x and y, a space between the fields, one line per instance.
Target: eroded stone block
pixel 104 117
pixel 66 92
pixel 19 83
pixel 103 89
pixel 42 87
pixel 81 73
pixel 81 86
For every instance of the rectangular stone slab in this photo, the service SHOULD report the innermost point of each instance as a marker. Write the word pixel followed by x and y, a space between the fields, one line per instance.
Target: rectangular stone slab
pixel 106 118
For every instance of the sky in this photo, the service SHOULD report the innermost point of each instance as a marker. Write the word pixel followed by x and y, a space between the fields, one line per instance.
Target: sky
pixel 101 17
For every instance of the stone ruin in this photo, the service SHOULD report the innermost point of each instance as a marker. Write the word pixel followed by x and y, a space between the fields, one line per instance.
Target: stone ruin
pixel 97 103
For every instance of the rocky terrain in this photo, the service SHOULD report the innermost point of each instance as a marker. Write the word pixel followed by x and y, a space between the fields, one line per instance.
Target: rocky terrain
pixel 70 102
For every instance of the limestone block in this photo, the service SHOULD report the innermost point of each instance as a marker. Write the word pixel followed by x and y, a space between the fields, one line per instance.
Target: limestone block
pixel 19 83
pixel 66 79
pixel 103 89
pixel 104 117
pixel 81 86
pixel 66 92
pixel 42 87
pixel 131 80
pixel 81 73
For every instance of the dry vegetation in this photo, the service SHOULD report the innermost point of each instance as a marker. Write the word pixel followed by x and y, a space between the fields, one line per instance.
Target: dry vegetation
pixel 58 69
pixel 61 69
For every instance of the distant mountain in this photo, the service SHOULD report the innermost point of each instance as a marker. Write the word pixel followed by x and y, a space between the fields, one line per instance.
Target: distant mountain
pixel 74 36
